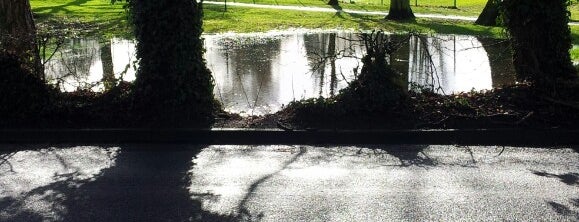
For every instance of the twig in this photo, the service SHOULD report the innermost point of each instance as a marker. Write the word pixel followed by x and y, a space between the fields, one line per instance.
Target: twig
pixel 283 126
pixel 503 150
pixel 524 118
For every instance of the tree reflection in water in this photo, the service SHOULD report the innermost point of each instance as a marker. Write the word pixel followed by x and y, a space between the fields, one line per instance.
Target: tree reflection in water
pixel 259 73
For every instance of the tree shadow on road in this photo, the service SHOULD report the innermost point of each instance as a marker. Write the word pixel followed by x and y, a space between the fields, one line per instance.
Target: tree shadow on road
pixel 571 179
pixel 566 210
pixel 412 155
pixel 408 155
pixel 146 183
pixel 244 214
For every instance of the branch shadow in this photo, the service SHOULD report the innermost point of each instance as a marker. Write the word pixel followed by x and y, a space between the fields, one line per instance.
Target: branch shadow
pixel 565 210
pixel 60 8
pixel 244 214
pixel 358 18
pixel 450 28
pixel 408 155
pixel 147 183
pixel 571 179
pixel 17 211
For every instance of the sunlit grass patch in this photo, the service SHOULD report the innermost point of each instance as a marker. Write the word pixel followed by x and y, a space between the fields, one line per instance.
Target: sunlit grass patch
pixel 575 54
pixel 107 19
pixel 240 19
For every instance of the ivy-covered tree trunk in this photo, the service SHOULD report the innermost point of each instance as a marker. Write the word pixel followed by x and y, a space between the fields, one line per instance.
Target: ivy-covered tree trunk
pixel 541 41
pixel 400 10
pixel 173 85
pixel 489 15
pixel 18 33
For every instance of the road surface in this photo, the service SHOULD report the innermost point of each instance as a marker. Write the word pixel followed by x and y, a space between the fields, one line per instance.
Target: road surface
pixel 288 183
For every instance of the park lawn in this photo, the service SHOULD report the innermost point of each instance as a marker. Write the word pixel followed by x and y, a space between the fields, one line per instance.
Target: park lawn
pixel 470 8
pixel 445 7
pixel 111 20
pixel 240 19
pixel 102 17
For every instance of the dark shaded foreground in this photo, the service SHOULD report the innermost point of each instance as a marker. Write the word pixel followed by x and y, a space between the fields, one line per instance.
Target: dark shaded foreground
pixel 145 185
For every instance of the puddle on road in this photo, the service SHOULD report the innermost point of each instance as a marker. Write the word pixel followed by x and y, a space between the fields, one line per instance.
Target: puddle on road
pixel 259 73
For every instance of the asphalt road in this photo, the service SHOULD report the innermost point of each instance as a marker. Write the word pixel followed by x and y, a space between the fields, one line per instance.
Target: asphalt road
pixel 288 183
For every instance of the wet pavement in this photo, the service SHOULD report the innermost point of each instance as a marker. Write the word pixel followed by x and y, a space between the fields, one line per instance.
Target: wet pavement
pixel 288 183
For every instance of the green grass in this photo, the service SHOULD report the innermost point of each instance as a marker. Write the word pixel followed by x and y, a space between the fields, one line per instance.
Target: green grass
pixel 464 7
pixel 241 19
pixel 445 7
pixel 103 17
pixel 574 53
pixel 111 20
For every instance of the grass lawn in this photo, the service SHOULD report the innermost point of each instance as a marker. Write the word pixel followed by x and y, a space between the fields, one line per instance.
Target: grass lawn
pixel 111 19
pixel 241 19
pixel 464 7
pixel 445 7
pixel 102 17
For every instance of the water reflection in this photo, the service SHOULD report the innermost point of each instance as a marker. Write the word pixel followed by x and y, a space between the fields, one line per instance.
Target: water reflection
pixel 259 73
pixel 88 64
pixel 243 72
pixel 74 66
pixel 449 64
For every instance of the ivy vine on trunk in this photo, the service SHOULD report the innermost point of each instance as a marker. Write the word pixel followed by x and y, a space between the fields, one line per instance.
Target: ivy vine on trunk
pixel 541 40
pixel 173 87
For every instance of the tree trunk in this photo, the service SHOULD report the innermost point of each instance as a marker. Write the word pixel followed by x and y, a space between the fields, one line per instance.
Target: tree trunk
pixel 541 41
pixel 333 2
pixel 399 59
pixel 500 61
pixel 18 33
pixel 489 15
pixel 400 10
pixel 173 86
pixel 108 69
pixel 332 53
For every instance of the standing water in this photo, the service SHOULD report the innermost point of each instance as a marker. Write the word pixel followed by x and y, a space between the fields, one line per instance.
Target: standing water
pixel 257 74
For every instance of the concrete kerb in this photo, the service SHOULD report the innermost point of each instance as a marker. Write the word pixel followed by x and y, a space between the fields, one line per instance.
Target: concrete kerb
pixel 507 137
